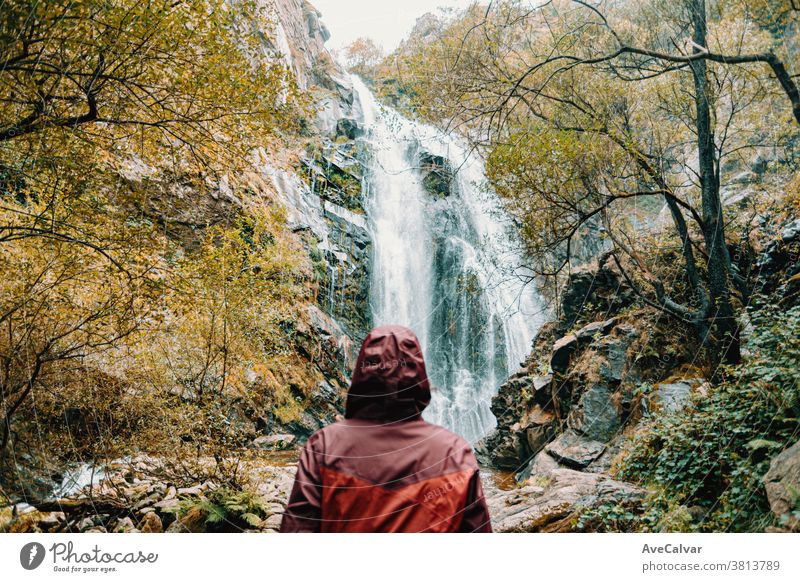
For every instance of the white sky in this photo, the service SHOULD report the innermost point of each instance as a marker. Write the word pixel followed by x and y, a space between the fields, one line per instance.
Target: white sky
pixel 385 21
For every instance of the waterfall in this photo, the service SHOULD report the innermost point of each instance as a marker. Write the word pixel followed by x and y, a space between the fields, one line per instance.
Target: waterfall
pixel 441 266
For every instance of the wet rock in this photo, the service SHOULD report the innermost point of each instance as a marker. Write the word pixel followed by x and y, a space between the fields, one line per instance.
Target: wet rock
pixel 348 128
pixel 574 450
pixel 437 175
pixel 782 483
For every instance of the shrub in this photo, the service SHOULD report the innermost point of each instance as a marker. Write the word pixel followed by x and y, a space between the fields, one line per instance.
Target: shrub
pixel 711 457
pixel 227 510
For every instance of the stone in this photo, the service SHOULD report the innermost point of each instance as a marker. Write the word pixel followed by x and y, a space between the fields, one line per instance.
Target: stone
pixel 273 521
pixel 542 383
pixel 125 525
pixel 615 352
pixel 193 522
pixel 596 416
pixel 537 425
pixel 274 442
pixel 51 519
pixel 540 466
pixel 136 491
pixel 171 493
pixel 151 523
pixel 146 502
pixel 546 505
pixel 84 524
pixel 170 505
pixel 177 527
pixel 348 128
pixel 438 178
pixel 193 490
pixel 574 450
pixel 599 285
pixel 782 483
pixel 671 397
pixel 592 330
pixel 562 352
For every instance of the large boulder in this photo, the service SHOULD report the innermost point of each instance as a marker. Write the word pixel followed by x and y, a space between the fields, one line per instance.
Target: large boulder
pixel 599 381
pixel 594 289
pixel 551 502
pixel 525 423
pixel 596 415
pixel 438 178
pixel 274 442
pixel 574 450
pixel 782 483
pixel 674 395
pixel 564 348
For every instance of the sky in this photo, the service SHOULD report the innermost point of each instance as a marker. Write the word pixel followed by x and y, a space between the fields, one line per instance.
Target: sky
pixel 385 21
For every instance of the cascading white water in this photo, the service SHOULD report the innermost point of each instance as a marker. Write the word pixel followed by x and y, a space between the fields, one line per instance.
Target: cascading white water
pixel 440 266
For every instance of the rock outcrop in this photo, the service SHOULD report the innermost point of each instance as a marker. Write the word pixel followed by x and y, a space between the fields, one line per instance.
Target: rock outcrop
pixel 782 483
pixel 552 501
pixel 562 417
pixel 593 291
pixel 323 193
pixel 438 178
pixel 778 267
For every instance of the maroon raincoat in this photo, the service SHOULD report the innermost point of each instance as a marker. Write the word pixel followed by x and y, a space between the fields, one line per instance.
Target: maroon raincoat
pixel 383 468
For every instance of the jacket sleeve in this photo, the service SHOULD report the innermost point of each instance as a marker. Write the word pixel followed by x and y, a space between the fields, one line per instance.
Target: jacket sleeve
pixel 303 512
pixel 476 513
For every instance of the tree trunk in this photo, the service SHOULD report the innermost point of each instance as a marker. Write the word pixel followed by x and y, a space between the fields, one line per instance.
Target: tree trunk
pixel 724 338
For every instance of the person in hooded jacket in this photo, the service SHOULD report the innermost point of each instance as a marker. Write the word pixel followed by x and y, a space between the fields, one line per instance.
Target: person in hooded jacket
pixel 383 468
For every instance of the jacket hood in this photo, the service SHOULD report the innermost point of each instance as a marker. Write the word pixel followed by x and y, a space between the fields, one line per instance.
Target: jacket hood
pixel 389 382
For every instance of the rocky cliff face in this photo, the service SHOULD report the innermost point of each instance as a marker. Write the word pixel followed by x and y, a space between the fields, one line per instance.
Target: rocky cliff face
pixel 561 418
pixel 596 376
pixel 323 192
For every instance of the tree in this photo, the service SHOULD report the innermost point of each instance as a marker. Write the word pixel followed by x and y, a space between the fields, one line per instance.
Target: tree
pixel 151 73
pixel 88 90
pixel 586 115
pixel 362 56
